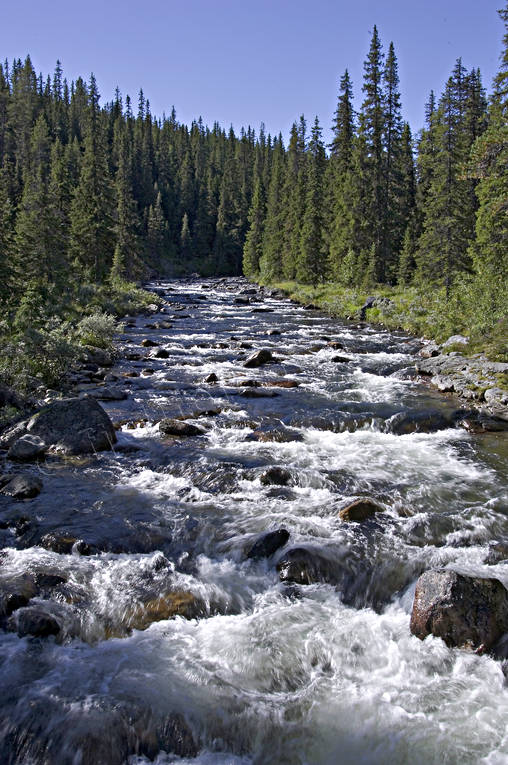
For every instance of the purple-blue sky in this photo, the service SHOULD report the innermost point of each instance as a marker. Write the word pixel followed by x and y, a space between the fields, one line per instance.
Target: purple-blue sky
pixel 241 62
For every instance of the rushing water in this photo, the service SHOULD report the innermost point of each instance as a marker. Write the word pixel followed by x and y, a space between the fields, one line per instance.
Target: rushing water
pixel 268 673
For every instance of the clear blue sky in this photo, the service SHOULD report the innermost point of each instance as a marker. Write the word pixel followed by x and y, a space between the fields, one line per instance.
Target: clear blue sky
pixel 242 62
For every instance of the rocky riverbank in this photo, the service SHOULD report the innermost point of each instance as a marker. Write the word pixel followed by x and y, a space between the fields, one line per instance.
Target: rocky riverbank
pixel 480 382
pixel 263 500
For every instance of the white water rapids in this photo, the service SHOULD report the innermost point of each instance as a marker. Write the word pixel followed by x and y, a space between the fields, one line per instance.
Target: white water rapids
pixel 303 675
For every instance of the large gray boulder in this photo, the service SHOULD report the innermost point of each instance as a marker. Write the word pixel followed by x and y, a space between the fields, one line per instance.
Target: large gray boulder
pixel 74 426
pixel 465 611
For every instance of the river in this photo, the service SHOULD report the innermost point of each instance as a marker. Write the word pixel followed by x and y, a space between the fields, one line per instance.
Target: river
pixel 270 671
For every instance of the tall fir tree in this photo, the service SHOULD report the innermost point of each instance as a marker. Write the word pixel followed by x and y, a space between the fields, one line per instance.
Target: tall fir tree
pixel 311 262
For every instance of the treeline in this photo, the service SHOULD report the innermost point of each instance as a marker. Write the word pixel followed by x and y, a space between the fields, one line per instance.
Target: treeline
pixel 91 193
pixel 100 195
pixel 385 208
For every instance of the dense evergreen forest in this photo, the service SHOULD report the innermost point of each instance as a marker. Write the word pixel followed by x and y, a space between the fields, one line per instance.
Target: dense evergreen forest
pixel 93 198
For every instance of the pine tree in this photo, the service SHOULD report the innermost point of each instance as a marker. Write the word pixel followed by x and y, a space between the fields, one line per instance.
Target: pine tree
pixel 127 263
pixel 311 263
pixel 488 165
pixel 273 234
pixel 395 216
pixel 442 251
pixel 6 239
pixel 373 164
pixel 252 250
pixel 92 211
pixel 339 180
pixel 34 230
pixel 158 250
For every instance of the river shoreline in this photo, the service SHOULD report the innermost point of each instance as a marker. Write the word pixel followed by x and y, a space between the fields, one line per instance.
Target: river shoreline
pixel 238 562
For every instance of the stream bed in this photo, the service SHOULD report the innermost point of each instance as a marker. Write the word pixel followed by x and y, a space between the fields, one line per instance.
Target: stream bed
pixel 181 635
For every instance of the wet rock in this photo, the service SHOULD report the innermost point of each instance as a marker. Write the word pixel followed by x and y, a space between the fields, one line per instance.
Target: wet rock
pixel 310 307
pixel 281 384
pixel 498 551
pixel 335 344
pixel 428 421
pixel 133 356
pixel 22 486
pixel 340 359
pixel 274 332
pixel 241 301
pixel 161 353
pixel 133 373
pixel 496 400
pixel 479 422
pixel 147 372
pixel 34 621
pixel 268 543
pixel 147 343
pixel 253 393
pixel 262 310
pixel 171 427
pixel 27 448
pixel 16 593
pixel 360 510
pixel 64 543
pixel 278 434
pixel 465 611
pixel 107 394
pixel 275 476
pixel 247 383
pixel 258 359
pixel 74 426
pixel 211 378
pixel 302 565
pixel 164 606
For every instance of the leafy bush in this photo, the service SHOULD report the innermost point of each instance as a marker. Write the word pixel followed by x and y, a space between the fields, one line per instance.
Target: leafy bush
pixel 98 330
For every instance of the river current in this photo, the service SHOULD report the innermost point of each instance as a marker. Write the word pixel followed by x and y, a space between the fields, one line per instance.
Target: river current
pixel 268 672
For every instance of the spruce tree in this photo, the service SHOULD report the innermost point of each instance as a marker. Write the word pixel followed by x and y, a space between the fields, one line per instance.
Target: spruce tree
pixel 273 234
pixel 489 164
pixel 339 179
pixel 252 249
pixel 92 212
pixel 311 261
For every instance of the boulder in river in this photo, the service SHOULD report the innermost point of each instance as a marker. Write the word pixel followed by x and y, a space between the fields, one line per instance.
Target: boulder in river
pixel 465 611
pixel 172 427
pixel 263 356
pixel 360 510
pixel 303 565
pixel 27 448
pixel 147 343
pixel 74 426
pixel 275 476
pixel 23 486
pixel 162 607
pixel 34 621
pixel 267 544
pixel 426 421
pixel 211 378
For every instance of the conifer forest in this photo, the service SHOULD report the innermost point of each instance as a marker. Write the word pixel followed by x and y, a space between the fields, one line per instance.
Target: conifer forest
pixel 94 199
